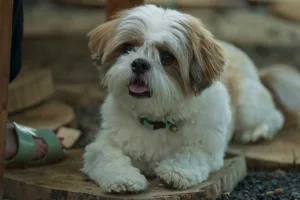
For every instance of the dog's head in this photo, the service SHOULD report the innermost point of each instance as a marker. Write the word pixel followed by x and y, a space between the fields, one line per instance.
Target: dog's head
pixel 156 55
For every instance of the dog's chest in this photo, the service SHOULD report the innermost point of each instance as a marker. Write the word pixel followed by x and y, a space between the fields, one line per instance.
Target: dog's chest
pixel 146 145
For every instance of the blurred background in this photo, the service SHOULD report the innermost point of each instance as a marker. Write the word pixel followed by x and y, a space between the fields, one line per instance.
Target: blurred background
pixel 55 31
pixel 55 39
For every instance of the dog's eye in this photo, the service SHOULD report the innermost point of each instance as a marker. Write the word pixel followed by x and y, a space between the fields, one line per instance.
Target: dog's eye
pixel 166 58
pixel 127 48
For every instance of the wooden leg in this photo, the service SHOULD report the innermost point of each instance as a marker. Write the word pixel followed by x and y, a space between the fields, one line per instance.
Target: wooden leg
pixel 114 6
pixel 6 10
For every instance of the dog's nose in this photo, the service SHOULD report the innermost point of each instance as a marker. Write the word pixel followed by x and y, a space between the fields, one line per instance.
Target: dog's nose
pixel 140 66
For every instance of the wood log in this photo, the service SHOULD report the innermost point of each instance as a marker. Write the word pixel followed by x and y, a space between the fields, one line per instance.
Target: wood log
pixel 167 3
pixel 30 88
pixel 261 2
pixel 114 6
pixel 51 115
pixel 64 180
pixel 282 152
pixel 288 9
pixel 6 10
pixel 238 26
pixel 266 39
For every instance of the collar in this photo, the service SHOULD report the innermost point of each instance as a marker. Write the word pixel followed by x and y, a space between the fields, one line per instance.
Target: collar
pixel 155 125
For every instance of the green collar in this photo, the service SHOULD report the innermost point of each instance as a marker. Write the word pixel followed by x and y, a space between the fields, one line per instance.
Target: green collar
pixel 155 125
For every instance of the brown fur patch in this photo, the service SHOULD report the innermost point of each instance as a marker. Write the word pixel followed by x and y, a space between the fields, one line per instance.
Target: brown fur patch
pixel 232 78
pixel 99 37
pixel 174 74
pixel 208 56
pixel 105 47
pixel 173 71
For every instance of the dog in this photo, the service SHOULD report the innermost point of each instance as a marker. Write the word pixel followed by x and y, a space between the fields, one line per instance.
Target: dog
pixel 176 97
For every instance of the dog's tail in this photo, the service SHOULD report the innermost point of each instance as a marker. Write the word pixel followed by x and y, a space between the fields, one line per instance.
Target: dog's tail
pixel 284 83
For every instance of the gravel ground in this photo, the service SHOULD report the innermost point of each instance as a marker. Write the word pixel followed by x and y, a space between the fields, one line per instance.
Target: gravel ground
pixel 277 185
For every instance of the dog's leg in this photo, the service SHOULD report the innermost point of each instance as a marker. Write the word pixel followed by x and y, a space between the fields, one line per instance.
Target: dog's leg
pixel 111 169
pixel 257 116
pixel 204 141
pixel 188 167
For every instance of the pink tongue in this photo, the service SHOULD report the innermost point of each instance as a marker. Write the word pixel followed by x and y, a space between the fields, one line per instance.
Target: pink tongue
pixel 138 89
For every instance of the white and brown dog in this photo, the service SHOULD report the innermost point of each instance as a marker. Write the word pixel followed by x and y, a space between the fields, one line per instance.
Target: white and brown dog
pixel 176 97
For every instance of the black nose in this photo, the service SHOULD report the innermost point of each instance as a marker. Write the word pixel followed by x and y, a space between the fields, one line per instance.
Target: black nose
pixel 140 66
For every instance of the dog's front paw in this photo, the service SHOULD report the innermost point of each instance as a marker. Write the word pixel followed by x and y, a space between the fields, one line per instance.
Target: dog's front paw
pixel 179 178
pixel 124 183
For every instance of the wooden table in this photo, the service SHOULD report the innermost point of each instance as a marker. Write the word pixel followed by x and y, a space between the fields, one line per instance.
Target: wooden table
pixel 6 10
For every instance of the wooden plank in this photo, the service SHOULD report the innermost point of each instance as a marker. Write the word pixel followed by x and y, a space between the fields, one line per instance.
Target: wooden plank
pixel 114 6
pixel 6 9
pixel 96 3
pixel 197 3
pixel 64 180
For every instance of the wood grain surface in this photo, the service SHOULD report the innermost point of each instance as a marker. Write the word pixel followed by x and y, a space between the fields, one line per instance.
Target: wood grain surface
pixel 29 89
pixel 64 180
pixel 51 114
pixel 281 152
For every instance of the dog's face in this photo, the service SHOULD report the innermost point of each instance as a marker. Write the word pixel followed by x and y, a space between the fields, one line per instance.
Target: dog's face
pixel 156 55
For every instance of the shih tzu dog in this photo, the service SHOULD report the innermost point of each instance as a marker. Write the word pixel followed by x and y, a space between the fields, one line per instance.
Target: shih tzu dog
pixel 176 97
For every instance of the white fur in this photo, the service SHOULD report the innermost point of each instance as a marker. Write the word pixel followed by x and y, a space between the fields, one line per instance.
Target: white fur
pixel 124 147
pixel 124 150
pixel 256 115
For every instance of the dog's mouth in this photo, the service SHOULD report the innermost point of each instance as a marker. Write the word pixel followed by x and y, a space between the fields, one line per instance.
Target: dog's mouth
pixel 139 88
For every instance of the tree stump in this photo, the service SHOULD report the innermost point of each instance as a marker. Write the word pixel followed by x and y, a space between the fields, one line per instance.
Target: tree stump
pixel 64 180
pixel 282 152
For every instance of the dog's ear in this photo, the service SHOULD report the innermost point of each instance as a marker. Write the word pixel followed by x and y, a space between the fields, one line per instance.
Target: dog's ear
pixel 208 57
pixel 99 39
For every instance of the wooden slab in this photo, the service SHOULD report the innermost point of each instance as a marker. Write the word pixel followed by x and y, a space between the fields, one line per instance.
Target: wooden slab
pixel 29 89
pixel 63 180
pixel 288 9
pixel 281 152
pixel 115 6
pixel 51 115
pixel 177 3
